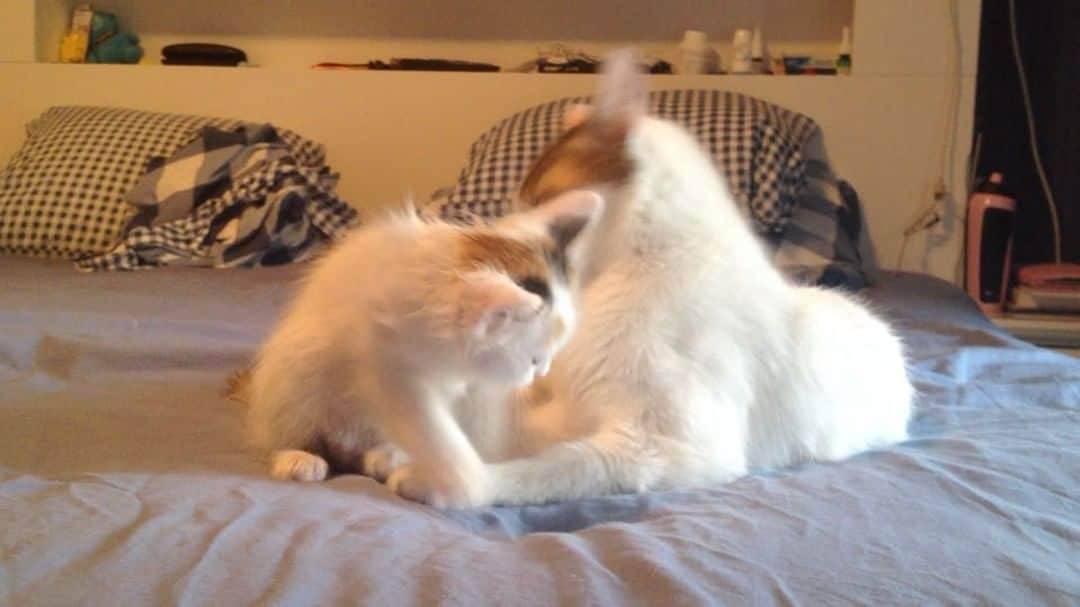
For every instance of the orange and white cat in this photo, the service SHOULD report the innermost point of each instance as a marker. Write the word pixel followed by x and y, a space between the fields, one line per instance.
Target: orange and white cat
pixel 404 331
pixel 695 360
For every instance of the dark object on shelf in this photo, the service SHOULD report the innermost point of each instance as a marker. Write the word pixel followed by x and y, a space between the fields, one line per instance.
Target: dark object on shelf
pixel 198 53
pixel 558 65
pixel 333 65
pixel 433 65
pixel 660 67
pixel 585 65
pixel 802 65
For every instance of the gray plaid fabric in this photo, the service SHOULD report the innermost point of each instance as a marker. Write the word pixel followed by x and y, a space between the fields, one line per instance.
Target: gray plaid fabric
pixel 247 197
pixel 793 202
pixel 821 243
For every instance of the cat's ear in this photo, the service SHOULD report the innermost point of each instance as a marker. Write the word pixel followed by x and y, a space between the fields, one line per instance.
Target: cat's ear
pixel 491 301
pixel 566 215
pixel 622 95
pixel 576 115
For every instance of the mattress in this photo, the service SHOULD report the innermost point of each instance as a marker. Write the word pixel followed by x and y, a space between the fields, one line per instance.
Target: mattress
pixel 124 479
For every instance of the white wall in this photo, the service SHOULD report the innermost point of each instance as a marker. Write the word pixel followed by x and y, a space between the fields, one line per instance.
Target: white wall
pixel 917 41
pixel 52 18
pixel 894 37
pixel 17 31
pixel 30 30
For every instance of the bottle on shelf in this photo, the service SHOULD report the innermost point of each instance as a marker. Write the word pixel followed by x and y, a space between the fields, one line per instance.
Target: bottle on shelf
pixel 741 62
pixel 843 58
pixel 758 61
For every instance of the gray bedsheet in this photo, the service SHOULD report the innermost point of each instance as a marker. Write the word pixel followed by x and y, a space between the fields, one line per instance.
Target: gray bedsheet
pixel 124 479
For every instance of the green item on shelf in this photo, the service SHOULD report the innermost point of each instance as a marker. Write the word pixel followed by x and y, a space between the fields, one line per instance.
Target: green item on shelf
pixel 110 45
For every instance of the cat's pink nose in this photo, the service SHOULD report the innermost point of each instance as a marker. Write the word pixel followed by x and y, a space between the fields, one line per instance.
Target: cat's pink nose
pixel 541 365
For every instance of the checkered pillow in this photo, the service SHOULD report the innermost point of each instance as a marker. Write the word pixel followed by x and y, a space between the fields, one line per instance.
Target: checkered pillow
pixel 62 194
pixel 756 144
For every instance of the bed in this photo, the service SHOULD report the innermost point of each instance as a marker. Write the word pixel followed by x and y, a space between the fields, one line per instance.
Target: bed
pixel 124 478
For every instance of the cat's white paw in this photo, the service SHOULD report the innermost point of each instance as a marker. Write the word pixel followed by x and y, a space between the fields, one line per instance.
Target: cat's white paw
pixel 296 465
pixel 382 459
pixel 444 491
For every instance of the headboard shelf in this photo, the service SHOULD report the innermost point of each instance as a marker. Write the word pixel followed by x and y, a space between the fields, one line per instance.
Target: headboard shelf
pixel 503 32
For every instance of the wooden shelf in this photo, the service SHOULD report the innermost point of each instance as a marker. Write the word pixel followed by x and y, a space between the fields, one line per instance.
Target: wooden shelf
pixel 290 33
pixel 660 78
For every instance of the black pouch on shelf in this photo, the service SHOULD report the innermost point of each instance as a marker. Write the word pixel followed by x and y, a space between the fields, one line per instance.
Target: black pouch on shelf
pixel 198 53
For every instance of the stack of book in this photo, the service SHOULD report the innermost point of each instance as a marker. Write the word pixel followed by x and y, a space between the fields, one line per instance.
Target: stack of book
pixel 1048 300
pixel 1047 289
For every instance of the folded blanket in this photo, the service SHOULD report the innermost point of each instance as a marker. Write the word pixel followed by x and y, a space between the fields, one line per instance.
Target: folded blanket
pixel 248 197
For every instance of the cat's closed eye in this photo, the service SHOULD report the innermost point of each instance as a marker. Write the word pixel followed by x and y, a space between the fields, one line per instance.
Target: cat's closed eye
pixel 536 286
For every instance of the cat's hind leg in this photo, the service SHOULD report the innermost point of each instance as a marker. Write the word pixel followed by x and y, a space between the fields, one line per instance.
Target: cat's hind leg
pixel 297 465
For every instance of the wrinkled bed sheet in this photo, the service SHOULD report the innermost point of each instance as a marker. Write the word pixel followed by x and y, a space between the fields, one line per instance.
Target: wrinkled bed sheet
pixel 124 479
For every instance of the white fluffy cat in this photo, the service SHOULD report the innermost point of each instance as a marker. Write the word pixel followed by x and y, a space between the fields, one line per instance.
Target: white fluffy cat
pixel 394 331
pixel 695 360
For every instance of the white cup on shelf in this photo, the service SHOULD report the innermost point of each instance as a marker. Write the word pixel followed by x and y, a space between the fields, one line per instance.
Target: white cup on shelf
pixel 694 52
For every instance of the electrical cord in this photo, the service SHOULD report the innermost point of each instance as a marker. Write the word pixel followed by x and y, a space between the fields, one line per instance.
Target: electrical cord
pixel 1032 140
pixel 952 103
pixel 930 214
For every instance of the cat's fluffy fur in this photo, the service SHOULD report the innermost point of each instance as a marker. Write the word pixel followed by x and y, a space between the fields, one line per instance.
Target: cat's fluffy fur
pixel 398 335
pixel 695 360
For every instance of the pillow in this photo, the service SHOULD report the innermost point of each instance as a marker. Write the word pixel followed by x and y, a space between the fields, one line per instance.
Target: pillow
pixel 794 201
pixel 63 193
pixel 756 145
pixel 824 241
pixel 240 198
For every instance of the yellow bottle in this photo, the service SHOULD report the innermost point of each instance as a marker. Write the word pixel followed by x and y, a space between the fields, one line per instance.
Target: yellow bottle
pixel 75 43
